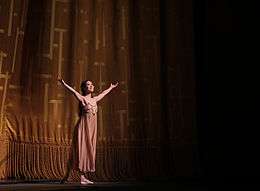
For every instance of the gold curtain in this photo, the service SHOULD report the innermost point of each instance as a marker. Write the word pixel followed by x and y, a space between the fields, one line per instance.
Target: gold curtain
pixel 101 40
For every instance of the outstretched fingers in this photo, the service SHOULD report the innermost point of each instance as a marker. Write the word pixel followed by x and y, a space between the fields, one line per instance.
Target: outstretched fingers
pixel 114 85
pixel 60 79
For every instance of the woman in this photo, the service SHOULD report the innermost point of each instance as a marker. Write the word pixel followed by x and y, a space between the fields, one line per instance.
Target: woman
pixel 86 128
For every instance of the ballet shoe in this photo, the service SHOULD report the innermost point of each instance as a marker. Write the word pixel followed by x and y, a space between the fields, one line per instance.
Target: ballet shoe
pixel 86 182
pixel 89 182
pixel 83 180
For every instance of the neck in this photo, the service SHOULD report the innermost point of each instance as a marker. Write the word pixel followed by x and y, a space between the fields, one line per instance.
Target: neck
pixel 88 95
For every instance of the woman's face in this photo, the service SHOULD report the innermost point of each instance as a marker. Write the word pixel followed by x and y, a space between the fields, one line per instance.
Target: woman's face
pixel 90 86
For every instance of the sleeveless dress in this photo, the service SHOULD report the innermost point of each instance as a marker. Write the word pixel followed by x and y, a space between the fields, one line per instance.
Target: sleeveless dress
pixel 87 137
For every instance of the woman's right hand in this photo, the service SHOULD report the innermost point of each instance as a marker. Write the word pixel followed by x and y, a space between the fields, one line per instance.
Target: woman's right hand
pixel 60 80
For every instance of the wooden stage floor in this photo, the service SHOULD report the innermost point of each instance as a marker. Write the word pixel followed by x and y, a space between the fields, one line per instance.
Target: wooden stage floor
pixel 102 186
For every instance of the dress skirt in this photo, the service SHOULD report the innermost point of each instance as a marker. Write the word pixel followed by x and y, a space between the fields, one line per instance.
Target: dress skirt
pixel 86 138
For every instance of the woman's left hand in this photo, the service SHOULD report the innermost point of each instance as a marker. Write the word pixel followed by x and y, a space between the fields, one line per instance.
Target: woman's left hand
pixel 113 85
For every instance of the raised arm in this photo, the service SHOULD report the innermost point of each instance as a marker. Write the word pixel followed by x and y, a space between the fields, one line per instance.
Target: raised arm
pixel 105 92
pixel 75 93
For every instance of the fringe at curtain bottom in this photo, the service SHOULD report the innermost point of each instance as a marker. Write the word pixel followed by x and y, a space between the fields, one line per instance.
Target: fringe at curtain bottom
pixel 34 161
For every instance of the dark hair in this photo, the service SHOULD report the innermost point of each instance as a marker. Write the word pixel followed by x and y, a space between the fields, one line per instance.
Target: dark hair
pixel 83 87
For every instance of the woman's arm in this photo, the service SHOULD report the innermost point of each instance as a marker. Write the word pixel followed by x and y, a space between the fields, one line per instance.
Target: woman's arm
pixel 105 92
pixel 75 93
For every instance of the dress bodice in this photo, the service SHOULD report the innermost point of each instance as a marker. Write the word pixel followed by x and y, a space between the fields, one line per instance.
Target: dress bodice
pixel 89 107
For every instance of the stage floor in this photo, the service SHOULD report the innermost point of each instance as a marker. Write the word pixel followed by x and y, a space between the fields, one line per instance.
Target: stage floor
pixel 109 186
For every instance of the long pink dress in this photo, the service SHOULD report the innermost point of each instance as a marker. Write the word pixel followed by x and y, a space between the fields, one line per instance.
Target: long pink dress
pixel 87 137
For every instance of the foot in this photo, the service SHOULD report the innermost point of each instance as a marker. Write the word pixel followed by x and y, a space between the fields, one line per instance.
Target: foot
pixel 89 182
pixel 86 182
pixel 83 180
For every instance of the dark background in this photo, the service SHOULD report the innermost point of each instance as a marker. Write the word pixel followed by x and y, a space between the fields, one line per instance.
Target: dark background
pixel 226 59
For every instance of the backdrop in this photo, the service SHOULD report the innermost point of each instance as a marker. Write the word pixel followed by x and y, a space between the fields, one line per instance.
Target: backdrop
pixel 145 126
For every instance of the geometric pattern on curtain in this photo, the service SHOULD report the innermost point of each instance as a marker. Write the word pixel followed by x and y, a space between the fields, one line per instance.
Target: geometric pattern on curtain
pixel 101 40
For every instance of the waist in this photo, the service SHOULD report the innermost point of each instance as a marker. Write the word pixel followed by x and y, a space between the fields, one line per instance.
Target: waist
pixel 89 111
